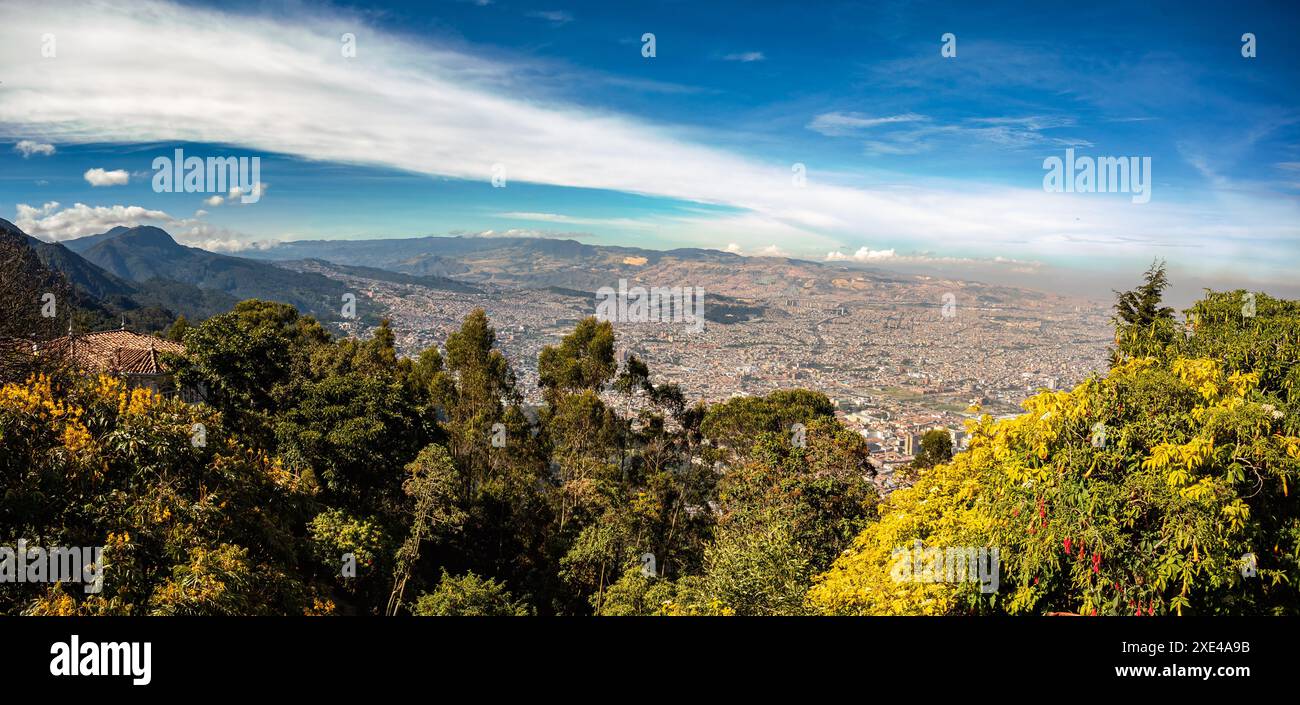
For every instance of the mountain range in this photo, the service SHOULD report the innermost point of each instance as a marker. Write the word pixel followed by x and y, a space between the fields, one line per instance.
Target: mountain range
pixel 143 269
pixel 557 265
pixel 507 262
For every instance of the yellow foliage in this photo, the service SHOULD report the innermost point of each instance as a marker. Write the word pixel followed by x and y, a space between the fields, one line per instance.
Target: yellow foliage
pixel 37 400
pixel 954 505
pixel 940 509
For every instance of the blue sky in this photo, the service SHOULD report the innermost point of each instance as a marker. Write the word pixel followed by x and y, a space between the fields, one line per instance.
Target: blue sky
pixel 912 159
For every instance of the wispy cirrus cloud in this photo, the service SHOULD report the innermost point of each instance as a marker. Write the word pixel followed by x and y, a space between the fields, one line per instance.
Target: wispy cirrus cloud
pixel 576 220
pixel 838 124
pixel 524 232
pixel 745 57
pixel 866 255
pixel 912 133
pixel 555 17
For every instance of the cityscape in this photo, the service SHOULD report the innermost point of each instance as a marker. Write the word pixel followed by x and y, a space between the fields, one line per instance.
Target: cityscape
pixel 881 346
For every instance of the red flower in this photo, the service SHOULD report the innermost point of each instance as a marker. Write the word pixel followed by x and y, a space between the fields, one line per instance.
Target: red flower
pixel 1067 545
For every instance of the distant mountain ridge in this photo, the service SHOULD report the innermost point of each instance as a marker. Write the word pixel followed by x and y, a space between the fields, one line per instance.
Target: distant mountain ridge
pixel 755 285
pixel 147 254
pixel 407 252
pixel 507 262
pixel 429 281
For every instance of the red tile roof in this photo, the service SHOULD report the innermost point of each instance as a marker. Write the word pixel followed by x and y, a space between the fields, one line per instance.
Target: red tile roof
pixel 113 351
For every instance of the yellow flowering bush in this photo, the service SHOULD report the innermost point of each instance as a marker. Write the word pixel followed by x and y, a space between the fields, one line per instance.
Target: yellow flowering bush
pixel 1161 487
pixel 190 520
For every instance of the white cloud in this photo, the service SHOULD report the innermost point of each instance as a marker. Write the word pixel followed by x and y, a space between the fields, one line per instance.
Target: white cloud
pixel 431 110
pixel 837 124
pixel 28 147
pixel 576 220
pixel 213 238
pixel 745 56
pixel 522 232
pixel 99 177
pixel 236 195
pixel 555 17
pixel 911 133
pixel 733 248
pixel 864 254
pixel 48 222
pixel 52 223
pixel 772 251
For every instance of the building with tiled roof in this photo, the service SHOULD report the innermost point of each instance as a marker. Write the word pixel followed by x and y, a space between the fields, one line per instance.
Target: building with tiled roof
pixel 136 358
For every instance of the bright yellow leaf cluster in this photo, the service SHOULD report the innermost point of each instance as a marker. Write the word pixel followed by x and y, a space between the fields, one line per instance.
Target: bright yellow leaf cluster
pixel 36 399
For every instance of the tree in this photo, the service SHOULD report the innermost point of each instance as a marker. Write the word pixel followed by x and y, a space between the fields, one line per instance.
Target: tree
pixel 476 385
pixel 936 448
pixel 433 485
pixel 470 596
pixel 583 434
pixel 733 425
pixel 248 360
pixel 352 433
pixel 176 332
pixel 24 285
pixel 583 361
pixel 757 567
pixel 1142 325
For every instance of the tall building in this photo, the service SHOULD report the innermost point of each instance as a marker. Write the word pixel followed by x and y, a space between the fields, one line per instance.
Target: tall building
pixel 912 444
